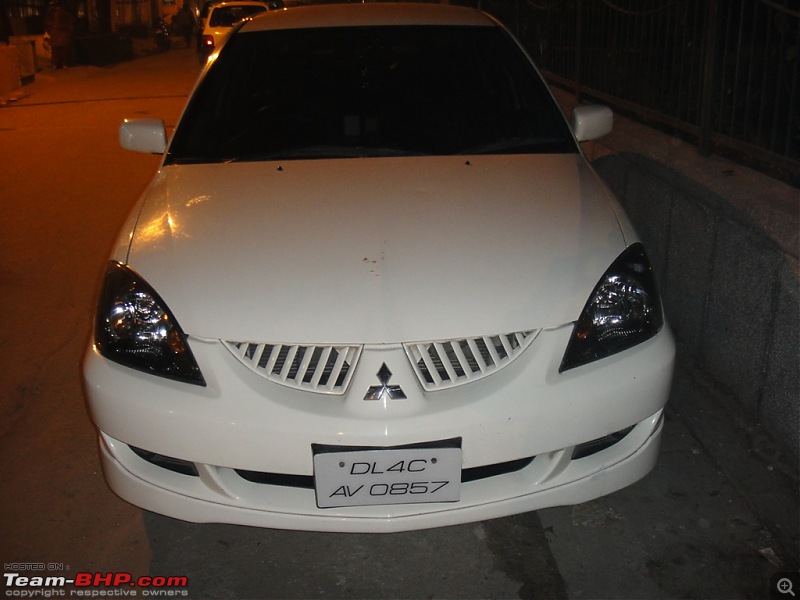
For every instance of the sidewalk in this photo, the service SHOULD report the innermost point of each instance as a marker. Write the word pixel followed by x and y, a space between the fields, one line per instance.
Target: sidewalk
pixel 90 83
pixel 12 91
pixel 717 517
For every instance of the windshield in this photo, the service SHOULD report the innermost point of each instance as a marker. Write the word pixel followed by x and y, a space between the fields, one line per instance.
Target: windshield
pixel 369 91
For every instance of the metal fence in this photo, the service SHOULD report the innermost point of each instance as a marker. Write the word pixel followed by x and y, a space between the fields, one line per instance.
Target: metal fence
pixel 724 73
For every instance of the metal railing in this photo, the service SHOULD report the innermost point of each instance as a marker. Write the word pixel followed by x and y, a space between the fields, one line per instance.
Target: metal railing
pixel 724 73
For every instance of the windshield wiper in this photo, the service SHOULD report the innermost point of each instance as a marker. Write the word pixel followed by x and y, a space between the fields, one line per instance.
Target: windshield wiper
pixel 523 145
pixel 195 160
pixel 320 152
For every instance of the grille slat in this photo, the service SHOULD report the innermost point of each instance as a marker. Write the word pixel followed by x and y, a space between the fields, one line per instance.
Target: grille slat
pixel 304 365
pixel 340 370
pixel 288 363
pixel 444 357
pixel 431 367
pixel 505 341
pixel 323 369
pixel 318 373
pixel 443 364
pixel 467 363
pixel 492 349
pixel 477 356
pixel 271 354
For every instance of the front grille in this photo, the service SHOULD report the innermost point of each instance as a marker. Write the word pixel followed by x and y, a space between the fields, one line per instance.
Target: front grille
pixel 328 369
pixel 448 363
pixel 324 369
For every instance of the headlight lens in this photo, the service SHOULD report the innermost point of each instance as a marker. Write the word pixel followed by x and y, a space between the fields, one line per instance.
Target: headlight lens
pixel 135 328
pixel 623 310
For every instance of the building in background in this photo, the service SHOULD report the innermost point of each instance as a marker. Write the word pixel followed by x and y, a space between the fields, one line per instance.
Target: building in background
pixel 104 30
pixel 92 17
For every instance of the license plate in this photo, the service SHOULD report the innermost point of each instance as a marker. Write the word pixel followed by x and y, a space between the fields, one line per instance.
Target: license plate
pixel 387 476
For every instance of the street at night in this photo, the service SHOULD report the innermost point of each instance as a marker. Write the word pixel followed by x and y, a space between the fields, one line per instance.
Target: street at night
pixel 716 518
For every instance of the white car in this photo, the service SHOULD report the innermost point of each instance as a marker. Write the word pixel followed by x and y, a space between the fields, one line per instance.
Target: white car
pixel 375 286
pixel 222 18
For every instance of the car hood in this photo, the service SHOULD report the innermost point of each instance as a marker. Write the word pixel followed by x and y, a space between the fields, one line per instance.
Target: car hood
pixel 375 251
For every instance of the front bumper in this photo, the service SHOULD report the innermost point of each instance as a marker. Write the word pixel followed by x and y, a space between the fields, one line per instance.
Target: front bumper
pixel 219 495
pixel 529 415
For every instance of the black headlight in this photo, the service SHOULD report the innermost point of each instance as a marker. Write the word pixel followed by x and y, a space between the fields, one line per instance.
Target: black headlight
pixel 623 310
pixel 134 327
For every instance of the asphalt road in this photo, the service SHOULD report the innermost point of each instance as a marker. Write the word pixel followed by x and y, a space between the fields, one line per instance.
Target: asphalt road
pixel 717 518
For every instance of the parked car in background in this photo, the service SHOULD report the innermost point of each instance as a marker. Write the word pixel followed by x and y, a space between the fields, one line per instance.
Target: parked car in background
pixel 202 18
pixel 222 18
pixel 374 286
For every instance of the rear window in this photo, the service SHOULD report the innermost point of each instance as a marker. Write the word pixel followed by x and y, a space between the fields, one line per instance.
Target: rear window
pixel 369 91
pixel 228 16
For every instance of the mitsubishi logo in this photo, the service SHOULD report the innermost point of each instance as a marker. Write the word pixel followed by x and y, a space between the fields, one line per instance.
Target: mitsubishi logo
pixel 384 390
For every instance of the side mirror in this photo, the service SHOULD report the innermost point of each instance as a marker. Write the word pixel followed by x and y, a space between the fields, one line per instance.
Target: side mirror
pixel 143 135
pixel 591 122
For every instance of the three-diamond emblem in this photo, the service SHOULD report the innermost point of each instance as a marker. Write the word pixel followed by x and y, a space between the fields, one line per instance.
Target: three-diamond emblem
pixel 384 391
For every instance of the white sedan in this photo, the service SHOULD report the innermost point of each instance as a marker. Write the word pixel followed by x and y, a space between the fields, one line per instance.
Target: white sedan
pixel 375 286
pixel 222 18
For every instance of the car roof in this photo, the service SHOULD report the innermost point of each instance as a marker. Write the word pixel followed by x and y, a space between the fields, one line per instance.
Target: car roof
pixel 238 3
pixel 360 14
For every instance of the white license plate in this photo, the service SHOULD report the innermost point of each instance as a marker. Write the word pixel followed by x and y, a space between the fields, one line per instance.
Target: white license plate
pixel 387 476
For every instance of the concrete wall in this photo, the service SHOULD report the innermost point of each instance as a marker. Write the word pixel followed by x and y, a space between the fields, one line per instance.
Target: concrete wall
pixel 724 241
